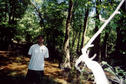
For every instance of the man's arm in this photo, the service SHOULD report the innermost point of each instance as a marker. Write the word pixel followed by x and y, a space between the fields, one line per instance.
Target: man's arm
pixel 47 53
pixel 30 52
pixel 29 56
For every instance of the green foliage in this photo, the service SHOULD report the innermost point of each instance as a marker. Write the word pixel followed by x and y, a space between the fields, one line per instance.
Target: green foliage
pixel 11 12
pixel 19 21
pixel 28 27
pixel 54 19
pixel 116 71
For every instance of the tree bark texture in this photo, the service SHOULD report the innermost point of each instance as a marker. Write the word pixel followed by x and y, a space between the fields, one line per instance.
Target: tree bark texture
pixel 84 27
pixel 66 41
pixel 104 47
pixel 78 43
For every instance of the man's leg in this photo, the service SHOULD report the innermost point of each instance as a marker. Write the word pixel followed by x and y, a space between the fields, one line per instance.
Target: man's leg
pixel 30 77
pixel 39 76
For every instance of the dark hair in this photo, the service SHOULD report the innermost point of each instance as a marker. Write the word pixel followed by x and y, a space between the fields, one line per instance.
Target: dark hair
pixel 40 36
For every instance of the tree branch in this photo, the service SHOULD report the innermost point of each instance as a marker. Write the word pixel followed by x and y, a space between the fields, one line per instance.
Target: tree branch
pixel 98 72
pixel 40 15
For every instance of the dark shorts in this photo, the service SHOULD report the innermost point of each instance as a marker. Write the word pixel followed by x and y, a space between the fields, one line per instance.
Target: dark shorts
pixel 34 76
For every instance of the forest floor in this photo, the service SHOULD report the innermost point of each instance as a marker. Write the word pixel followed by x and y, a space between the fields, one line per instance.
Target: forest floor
pixel 13 70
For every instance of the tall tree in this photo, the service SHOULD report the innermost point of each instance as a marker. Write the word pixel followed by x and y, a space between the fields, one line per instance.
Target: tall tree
pixel 67 38
pixel 78 43
pixel 84 26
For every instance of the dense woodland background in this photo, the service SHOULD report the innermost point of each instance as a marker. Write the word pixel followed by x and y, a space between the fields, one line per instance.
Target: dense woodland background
pixel 67 26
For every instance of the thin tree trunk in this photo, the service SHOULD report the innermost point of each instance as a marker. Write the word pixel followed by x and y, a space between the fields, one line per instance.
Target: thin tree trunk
pixel 40 16
pixel 6 9
pixel 84 27
pixel 118 43
pixel 104 47
pixel 74 38
pixel 9 12
pixel 66 41
pixel 13 12
pixel 78 43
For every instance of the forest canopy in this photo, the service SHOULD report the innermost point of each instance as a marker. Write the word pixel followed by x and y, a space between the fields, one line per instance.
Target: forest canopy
pixel 67 26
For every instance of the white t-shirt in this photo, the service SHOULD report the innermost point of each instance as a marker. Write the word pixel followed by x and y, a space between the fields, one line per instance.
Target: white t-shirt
pixel 38 53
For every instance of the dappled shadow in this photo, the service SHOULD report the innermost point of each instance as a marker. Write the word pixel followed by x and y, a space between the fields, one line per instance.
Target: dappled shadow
pixel 11 80
pixel 48 80
pixel 4 79
pixel 13 70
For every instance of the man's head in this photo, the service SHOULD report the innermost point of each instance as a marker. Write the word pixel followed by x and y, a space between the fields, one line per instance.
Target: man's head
pixel 40 39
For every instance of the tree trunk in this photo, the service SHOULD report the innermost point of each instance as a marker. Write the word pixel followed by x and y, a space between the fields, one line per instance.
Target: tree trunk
pixel 9 12
pixel 74 38
pixel 104 47
pixel 40 16
pixel 66 41
pixel 78 43
pixel 84 27
pixel 118 42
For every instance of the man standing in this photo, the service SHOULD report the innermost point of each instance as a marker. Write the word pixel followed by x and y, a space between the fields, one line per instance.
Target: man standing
pixel 37 53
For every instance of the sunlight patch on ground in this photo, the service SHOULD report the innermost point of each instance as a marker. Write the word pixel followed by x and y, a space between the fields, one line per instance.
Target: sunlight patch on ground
pixel 15 69
pixel 52 70
pixel 17 66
